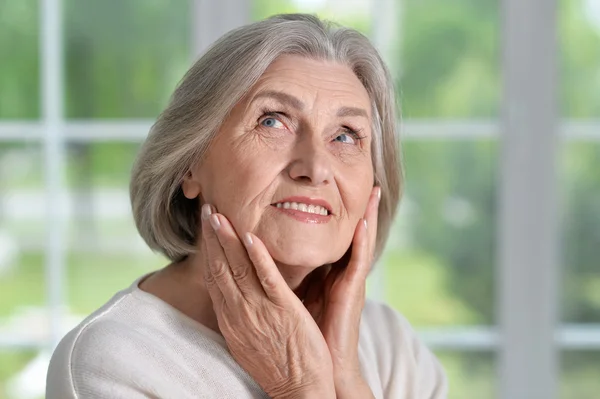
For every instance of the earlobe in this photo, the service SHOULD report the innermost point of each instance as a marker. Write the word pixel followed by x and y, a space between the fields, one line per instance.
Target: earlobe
pixel 190 187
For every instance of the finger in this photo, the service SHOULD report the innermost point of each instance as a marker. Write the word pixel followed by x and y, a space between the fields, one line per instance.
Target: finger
pixel 372 216
pixel 219 273
pixel 268 274
pixel 215 293
pixel 363 245
pixel 360 260
pixel 241 267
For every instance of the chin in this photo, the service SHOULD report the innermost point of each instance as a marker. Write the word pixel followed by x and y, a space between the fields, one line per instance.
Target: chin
pixel 300 256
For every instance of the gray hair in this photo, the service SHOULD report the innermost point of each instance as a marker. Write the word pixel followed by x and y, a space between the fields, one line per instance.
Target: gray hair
pixel 183 132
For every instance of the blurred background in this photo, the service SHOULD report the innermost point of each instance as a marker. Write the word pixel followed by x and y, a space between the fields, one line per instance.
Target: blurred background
pixel 495 254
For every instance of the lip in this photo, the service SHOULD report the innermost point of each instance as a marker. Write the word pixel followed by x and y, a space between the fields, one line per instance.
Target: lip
pixel 307 201
pixel 305 217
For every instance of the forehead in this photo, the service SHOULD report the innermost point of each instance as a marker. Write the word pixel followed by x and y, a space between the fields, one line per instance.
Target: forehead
pixel 313 80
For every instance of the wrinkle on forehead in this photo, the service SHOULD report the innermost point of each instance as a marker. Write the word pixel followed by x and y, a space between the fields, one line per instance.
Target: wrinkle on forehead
pixel 298 76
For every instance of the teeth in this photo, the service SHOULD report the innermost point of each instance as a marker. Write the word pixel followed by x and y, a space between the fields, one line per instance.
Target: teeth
pixel 315 209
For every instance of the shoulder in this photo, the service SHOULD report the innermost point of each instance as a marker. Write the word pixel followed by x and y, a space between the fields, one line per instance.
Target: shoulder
pixel 99 350
pixel 387 326
pixel 407 368
pixel 135 346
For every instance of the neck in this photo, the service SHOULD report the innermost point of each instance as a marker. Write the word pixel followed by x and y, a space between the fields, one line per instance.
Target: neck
pixel 195 299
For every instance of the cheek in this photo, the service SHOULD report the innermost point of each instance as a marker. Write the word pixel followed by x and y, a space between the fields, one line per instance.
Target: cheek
pixel 241 187
pixel 357 191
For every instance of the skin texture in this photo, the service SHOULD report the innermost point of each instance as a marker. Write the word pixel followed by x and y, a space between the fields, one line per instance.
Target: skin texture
pixel 301 349
pixel 251 166
pixel 286 295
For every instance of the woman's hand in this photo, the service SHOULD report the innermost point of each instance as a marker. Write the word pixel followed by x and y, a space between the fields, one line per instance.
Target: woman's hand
pixel 268 330
pixel 335 297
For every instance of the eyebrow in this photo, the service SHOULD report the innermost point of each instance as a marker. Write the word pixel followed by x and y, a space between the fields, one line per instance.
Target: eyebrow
pixel 294 102
pixel 352 111
pixel 283 98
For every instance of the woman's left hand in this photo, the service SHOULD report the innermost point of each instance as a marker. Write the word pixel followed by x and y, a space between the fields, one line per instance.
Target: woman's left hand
pixel 335 297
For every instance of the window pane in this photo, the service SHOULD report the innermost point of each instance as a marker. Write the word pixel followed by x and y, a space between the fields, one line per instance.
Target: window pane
pixel 580 58
pixel 579 374
pixel 449 58
pixel 123 58
pixel 22 233
pixel 19 52
pixel 100 164
pixel 16 368
pixel 439 258
pixel 105 251
pixel 470 374
pixel 96 273
pixel 581 185
pixel 23 314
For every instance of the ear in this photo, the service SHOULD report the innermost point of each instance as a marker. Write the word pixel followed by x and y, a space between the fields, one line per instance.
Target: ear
pixel 191 186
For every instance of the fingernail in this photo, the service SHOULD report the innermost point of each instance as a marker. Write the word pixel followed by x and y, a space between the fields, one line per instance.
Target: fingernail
pixel 378 194
pixel 365 223
pixel 214 222
pixel 248 240
pixel 206 211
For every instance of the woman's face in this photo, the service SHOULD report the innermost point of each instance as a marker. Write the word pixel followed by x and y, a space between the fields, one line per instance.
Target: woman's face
pixel 292 161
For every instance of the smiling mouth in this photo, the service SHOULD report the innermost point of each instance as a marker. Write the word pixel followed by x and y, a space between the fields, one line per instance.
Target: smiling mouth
pixel 301 207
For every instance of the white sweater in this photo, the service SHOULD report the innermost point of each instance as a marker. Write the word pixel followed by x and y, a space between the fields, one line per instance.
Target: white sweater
pixel 138 346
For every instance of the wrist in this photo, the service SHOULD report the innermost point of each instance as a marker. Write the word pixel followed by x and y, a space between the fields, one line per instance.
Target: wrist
pixel 357 389
pixel 322 389
pixel 350 384
pixel 347 376
pixel 307 393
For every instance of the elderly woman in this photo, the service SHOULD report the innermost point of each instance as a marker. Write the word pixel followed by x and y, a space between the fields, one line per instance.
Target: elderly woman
pixel 270 182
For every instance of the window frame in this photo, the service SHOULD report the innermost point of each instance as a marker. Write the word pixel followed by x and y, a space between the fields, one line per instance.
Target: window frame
pixel 528 336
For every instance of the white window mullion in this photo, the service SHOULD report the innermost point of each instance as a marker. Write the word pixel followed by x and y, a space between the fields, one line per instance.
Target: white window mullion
pixel 211 19
pixel 53 141
pixel 528 226
pixel 136 130
pixel 384 24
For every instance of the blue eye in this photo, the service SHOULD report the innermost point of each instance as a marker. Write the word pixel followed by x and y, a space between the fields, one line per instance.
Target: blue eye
pixel 271 122
pixel 345 138
pixel 349 136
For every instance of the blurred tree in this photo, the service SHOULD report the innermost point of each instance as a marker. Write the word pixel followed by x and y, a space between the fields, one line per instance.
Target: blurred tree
pixel 19 52
pixel 262 9
pixel 450 62
pixel 451 189
pixel 449 59
pixel 450 68
pixel 123 59
pixel 579 41
pixel 581 233
pixel 580 82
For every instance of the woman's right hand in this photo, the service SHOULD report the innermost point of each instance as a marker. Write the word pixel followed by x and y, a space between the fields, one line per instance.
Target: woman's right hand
pixel 268 330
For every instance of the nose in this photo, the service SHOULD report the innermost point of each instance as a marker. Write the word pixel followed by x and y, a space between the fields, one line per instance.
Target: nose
pixel 310 164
